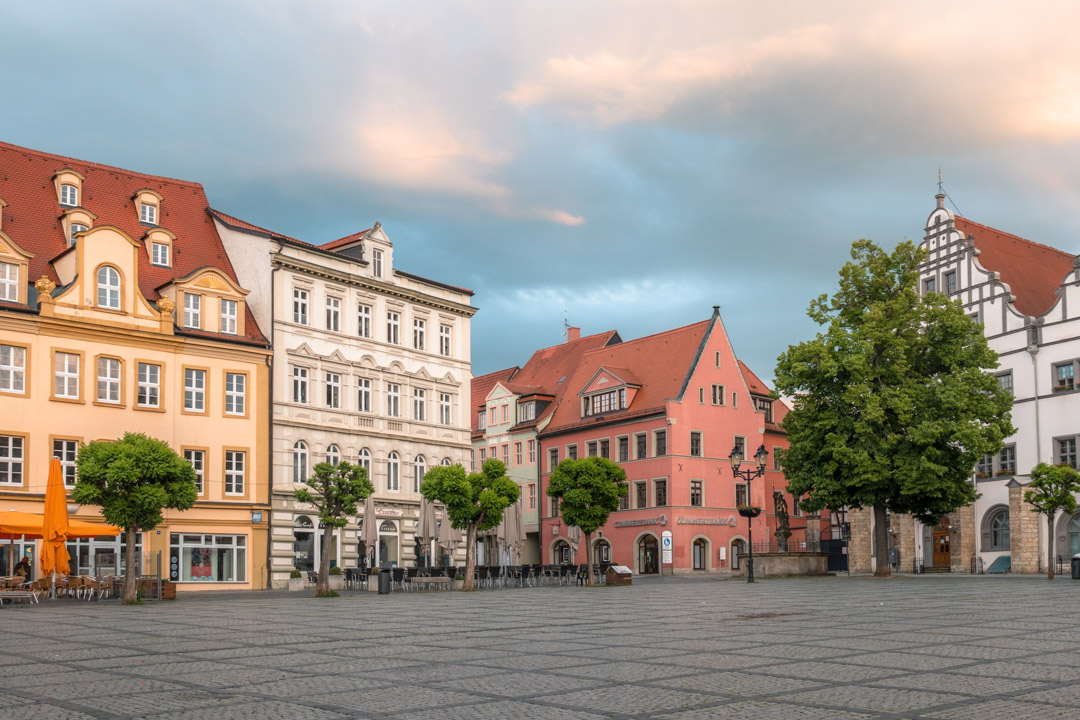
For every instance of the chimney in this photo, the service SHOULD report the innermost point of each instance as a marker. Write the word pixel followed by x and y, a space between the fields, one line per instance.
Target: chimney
pixel 940 197
pixel 573 333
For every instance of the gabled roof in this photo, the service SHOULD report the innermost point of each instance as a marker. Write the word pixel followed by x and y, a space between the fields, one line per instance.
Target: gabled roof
pixel 481 386
pixel 345 241
pixel 244 226
pixel 32 218
pixel 1033 271
pixel 757 387
pixel 660 363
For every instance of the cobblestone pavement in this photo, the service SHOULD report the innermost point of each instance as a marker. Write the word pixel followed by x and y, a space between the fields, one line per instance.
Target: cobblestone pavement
pixel 941 647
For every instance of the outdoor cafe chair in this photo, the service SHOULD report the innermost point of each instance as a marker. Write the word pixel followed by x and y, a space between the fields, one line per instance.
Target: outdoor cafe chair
pixel 451 572
pixel 410 573
pixel 565 573
pixel 583 574
pixel 482 575
pixel 498 576
pixel 397 577
pixel 536 574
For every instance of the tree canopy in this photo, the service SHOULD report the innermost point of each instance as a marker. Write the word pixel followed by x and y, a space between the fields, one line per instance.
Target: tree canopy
pixel 589 490
pixel 1052 488
pixel 133 480
pixel 892 402
pixel 334 491
pixel 474 501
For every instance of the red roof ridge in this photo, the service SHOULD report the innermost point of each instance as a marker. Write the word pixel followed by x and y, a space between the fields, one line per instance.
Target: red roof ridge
pixel 754 378
pixel 347 240
pixel 1015 237
pixel 71 161
pixel 672 331
pixel 241 224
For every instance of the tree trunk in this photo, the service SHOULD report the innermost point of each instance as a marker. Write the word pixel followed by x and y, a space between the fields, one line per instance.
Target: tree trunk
pixel 322 582
pixel 588 558
pixel 470 557
pixel 881 542
pixel 1050 546
pixel 131 595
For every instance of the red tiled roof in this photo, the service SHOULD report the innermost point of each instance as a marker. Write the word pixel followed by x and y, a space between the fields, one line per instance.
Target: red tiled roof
pixel 32 218
pixel 347 240
pixel 481 386
pixel 548 366
pixel 753 381
pixel 660 362
pixel 1033 271
pixel 238 224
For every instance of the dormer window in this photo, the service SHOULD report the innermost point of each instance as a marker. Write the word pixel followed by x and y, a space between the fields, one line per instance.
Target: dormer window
pixel 75 229
pixel 228 316
pixel 69 195
pixel 108 288
pixel 9 282
pixel 376 263
pixel 764 405
pixel 192 310
pixel 605 402
pixel 148 213
pixel 159 254
pixel 526 411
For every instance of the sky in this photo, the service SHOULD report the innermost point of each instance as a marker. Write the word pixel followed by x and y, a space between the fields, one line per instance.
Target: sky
pixel 611 165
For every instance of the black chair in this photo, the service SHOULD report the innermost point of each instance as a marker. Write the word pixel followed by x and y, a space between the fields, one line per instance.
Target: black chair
pixel 410 573
pixel 583 574
pixel 481 575
pixel 397 577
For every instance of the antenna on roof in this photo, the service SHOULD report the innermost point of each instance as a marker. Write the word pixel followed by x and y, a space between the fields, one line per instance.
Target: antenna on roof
pixel 941 191
pixel 565 325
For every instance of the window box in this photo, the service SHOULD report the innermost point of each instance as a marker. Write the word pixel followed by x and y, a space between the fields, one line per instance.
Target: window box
pixel 749 511
pixel 982 475
pixel 1062 388
pixel 1005 472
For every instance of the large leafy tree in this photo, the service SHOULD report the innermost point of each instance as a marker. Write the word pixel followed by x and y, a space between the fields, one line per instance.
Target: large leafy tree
pixel 892 401
pixel 334 491
pixel 474 501
pixel 589 490
pixel 133 479
pixel 1052 488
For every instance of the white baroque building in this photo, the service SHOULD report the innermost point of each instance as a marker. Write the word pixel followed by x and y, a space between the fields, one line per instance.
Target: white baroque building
pixel 1027 297
pixel 371 365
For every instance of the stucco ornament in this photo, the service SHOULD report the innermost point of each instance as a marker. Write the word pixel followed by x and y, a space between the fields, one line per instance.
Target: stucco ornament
pixel 44 286
pixel 166 306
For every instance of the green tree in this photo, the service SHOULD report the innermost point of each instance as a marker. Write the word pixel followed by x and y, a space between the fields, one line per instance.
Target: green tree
pixel 334 491
pixel 589 490
pixel 892 403
pixel 1052 488
pixel 474 501
pixel 133 479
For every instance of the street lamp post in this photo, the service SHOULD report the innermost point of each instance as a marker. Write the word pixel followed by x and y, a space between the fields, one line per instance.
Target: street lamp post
pixel 736 458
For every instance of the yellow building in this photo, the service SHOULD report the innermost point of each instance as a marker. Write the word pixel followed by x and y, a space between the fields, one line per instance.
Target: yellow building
pixel 120 311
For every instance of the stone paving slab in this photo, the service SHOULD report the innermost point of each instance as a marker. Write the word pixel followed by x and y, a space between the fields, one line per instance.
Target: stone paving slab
pixel 931 647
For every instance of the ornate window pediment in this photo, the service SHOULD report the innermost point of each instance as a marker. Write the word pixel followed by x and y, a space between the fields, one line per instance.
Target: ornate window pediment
pixel 219 299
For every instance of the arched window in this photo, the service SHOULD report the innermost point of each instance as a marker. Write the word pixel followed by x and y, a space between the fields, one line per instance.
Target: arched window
pixel 393 472
pixel 995 535
pixel 304 522
pixel 445 462
pixel 419 468
pixel 299 462
pixel 333 455
pixel 1074 535
pixel 364 460
pixel 108 288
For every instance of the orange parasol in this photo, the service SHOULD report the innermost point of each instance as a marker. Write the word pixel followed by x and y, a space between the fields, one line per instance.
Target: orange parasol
pixel 16 524
pixel 54 529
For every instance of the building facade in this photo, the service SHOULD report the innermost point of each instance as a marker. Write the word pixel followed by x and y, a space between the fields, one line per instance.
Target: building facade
pixel 509 406
pixel 371 365
pixel 669 408
pixel 1027 298
pixel 120 312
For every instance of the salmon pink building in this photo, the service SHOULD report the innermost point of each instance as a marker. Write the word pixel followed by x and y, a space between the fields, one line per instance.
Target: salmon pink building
pixel 669 408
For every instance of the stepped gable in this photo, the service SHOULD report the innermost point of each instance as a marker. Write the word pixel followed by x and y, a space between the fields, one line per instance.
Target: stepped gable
pixel 659 362
pixel 32 217
pixel 1032 271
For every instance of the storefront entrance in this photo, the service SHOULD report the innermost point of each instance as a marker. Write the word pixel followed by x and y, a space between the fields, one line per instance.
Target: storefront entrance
pixel 701 554
pixel 648 555
pixel 940 537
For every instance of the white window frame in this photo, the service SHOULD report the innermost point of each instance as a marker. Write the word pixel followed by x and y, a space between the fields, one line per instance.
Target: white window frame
pixel 67 451
pixel 13 369
pixel 333 454
pixel 299 385
pixel 74 230
pixel 333 390
pixel 333 313
pixel 363 395
pixel 363 459
pixel 419 405
pixel 194 390
pixel 419 333
pixel 393 399
pixel 229 310
pixel 446 346
pixel 148 213
pixel 159 254
pixel 393 472
pixel 108 380
pixel 376 263
pixel 9 282
pixel 69 195
pixel 235 469
pixel 108 287
pixel 445 406
pixel 64 378
pixel 363 320
pixel 197 459
pixel 192 310
pixel 12 460
pixel 299 462
pixel 300 306
pixel 148 385
pixel 235 393
pixel 532 452
pixel 393 327
pixel 419 468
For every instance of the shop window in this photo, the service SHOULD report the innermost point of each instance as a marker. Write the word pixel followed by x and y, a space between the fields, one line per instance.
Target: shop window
pixel 207 558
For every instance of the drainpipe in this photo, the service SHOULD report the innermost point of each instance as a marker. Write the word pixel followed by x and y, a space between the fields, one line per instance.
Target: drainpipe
pixel 1033 350
pixel 270 444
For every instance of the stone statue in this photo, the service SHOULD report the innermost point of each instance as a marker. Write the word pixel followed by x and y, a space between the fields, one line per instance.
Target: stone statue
pixel 783 530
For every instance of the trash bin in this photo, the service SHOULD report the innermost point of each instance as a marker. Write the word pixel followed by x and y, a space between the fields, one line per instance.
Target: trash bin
pixel 384 581
pixel 1076 567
